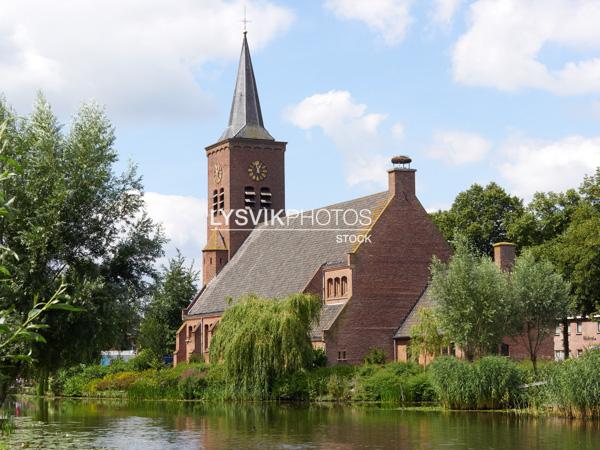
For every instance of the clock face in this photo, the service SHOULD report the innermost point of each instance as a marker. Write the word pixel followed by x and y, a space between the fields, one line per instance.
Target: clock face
pixel 257 170
pixel 218 173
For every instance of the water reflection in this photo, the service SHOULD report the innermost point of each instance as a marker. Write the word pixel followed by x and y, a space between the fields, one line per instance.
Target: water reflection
pixel 174 425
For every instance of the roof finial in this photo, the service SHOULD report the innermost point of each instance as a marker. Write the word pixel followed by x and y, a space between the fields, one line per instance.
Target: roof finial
pixel 245 21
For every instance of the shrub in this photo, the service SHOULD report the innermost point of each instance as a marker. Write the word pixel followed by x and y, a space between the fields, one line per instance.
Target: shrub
pixel 294 386
pixel 319 358
pixel 72 382
pixel 395 382
pixel 491 382
pixel 113 382
pixel 574 385
pixel 145 360
pixel 192 384
pixel 375 356
pixel 338 387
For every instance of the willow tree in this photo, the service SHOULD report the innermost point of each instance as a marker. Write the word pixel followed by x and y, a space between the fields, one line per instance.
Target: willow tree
pixel 426 337
pixel 259 340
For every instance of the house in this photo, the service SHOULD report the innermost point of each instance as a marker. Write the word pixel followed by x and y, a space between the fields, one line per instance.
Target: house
pixel 584 333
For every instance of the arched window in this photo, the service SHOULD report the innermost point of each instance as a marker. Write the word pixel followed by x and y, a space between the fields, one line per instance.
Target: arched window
pixel 329 287
pixel 221 199
pixel 344 286
pixel 336 287
pixel 249 197
pixel 215 202
pixel 265 198
pixel 189 332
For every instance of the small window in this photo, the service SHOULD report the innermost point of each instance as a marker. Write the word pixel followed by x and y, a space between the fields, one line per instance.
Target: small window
pixel 265 198
pixel 206 334
pixel 557 331
pixel 598 327
pixel 249 197
pixel 336 287
pixel 189 332
pixel 579 352
pixel 579 327
pixel 504 349
pixel 342 356
pixel 344 286
pixel 559 355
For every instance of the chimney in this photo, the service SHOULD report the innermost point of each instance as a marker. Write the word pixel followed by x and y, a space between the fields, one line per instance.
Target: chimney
pixel 504 255
pixel 401 178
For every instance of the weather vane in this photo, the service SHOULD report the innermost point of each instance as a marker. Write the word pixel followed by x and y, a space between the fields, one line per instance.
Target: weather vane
pixel 245 21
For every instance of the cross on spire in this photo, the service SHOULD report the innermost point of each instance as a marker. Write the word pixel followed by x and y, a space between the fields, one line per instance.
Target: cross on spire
pixel 245 21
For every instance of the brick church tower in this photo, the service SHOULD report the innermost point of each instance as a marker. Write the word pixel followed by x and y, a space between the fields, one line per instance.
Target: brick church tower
pixel 245 172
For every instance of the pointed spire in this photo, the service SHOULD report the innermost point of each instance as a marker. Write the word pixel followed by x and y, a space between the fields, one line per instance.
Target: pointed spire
pixel 245 119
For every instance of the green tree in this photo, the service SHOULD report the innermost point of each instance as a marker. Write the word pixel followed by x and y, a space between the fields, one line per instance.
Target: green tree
pixel 259 340
pixel 539 297
pixel 471 294
pixel 547 216
pixel 576 255
pixel 175 287
pixel 427 338
pixel 482 214
pixel 79 222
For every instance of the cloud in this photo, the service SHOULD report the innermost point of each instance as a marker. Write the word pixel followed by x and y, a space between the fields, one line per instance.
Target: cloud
pixel 457 147
pixel 444 11
pixel 388 18
pixel 534 165
pixel 353 131
pixel 504 40
pixel 138 57
pixel 184 222
pixel 398 131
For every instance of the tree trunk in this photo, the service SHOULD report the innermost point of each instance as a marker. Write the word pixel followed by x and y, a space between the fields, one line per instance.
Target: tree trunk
pixel 565 332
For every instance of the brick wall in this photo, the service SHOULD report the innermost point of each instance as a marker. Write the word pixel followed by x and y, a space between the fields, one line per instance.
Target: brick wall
pixel 389 274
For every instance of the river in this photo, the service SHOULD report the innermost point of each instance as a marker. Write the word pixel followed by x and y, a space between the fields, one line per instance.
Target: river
pixel 112 424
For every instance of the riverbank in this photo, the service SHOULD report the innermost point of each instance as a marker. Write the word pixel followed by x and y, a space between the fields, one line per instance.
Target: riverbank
pixel 570 388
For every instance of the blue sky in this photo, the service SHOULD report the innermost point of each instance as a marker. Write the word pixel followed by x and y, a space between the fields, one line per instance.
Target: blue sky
pixel 473 91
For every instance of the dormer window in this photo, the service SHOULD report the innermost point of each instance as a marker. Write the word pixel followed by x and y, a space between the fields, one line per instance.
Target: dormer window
pixel 337 283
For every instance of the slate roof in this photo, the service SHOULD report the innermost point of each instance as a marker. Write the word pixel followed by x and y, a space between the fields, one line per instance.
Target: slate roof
pixel 425 301
pixel 277 260
pixel 245 118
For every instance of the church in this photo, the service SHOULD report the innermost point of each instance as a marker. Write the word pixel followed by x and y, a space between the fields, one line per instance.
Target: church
pixel 366 258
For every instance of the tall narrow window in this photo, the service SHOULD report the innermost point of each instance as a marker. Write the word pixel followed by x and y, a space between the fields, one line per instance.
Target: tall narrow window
pixel 249 197
pixel 265 198
pixel 215 202
pixel 221 199
pixel 206 337
pixel 579 327
pixel 336 287
pixel 329 287
pixel 189 332
pixel 344 286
